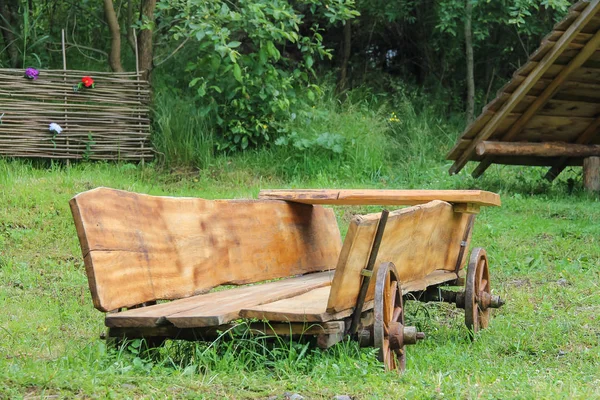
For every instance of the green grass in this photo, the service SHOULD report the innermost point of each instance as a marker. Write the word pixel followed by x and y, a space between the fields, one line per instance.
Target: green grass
pixel 544 251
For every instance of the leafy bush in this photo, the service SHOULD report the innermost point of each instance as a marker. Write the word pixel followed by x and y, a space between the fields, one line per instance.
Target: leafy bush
pixel 254 59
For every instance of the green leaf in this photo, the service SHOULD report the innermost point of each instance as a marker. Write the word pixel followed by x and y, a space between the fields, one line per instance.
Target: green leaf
pixel 309 61
pixel 237 73
pixel 234 44
pixel 273 52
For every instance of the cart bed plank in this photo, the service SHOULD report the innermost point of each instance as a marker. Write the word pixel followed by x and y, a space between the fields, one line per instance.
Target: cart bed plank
pixel 308 307
pixel 381 197
pixel 216 308
pixel 312 306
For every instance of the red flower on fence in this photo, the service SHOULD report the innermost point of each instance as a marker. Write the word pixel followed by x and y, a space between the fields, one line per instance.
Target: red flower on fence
pixel 87 81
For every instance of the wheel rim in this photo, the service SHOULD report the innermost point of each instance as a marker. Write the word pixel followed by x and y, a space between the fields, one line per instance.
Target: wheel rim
pixel 478 283
pixel 389 318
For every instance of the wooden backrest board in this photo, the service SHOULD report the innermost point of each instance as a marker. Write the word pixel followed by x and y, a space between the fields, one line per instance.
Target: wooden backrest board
pixel 418 240
pixel 140 248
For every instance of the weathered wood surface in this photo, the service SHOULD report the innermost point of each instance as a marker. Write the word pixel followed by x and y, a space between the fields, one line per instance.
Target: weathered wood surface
pixel 312 306
pixel 381 197
pixel 591 174
pixel 217 308
pixel 542 149
pixel 418 240
pixel 139 248
pixel 553 98
pixel 308 307
pixel 214 332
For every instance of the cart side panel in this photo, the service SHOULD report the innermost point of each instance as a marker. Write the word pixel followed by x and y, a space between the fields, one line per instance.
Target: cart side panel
pixel 418 240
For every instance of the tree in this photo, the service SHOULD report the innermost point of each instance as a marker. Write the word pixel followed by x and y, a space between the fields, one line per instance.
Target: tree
pixel 7 25
pixel 114 57
pixel 470 67
pixel 145 44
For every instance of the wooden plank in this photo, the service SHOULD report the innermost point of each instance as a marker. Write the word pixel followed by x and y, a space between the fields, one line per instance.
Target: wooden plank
pixel 576 27
pixel 592 26
pixel 214 332
pixel 579 39
pixel 380 196
pixel 435 278
pixel 546 128
pixel 216 308
pixel 418 240
pixel 140 248
pixel 311 307
pixel 535 161
pixel 308 307
pixel 544 149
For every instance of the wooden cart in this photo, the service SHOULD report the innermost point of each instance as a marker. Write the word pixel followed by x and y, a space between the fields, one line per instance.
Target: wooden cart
pixel 139 249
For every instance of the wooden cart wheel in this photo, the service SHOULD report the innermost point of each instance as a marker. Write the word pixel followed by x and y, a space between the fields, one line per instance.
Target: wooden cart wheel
pixel 477 290
pixel 389 333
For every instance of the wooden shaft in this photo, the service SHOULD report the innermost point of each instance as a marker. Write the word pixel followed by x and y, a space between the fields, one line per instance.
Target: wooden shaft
pixel 370 265
pixel 591 174
pixel 547 149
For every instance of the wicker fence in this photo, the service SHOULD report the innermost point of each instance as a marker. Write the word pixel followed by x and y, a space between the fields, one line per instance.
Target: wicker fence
pixel 107 122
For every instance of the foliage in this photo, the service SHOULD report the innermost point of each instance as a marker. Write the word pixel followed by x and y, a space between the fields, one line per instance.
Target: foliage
pixel 254 60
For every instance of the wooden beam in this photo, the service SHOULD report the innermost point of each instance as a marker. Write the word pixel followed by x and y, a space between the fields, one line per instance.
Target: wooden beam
pixel 586 15
pixel 589 49
pixel 586 137
pixel 380 197
pixel 591 174
pixel 547 149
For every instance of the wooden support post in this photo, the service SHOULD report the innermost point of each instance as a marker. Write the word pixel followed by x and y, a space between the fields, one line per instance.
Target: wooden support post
pixel 591 174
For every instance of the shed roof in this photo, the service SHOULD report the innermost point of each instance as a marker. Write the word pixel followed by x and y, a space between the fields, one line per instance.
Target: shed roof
pixel 554 97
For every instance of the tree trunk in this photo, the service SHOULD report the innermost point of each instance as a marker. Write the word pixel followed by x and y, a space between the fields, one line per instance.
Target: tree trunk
pixel 114 57
pixel 470 67
pixel 145 38
pixel 129 25
pixel 343 83
pixel 6 25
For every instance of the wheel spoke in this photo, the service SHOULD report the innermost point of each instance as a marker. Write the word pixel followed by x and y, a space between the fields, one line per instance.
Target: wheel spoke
pixel 483 285
pixel 397 314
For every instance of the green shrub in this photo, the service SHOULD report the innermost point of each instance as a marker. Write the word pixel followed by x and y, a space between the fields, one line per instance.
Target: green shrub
pixel 254 60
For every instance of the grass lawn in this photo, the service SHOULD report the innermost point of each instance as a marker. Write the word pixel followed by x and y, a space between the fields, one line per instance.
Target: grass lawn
pixel 544 252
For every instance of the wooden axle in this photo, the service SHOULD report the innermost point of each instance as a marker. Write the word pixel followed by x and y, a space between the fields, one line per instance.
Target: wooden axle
pixel 548 149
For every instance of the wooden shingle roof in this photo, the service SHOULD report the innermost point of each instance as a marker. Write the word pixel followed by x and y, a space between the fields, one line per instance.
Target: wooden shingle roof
pixel 552 102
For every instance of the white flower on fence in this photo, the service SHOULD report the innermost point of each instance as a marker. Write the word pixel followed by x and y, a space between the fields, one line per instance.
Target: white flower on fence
pixel 55 128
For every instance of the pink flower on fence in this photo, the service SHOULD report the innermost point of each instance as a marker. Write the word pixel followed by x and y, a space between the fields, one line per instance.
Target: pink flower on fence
pixel 32 73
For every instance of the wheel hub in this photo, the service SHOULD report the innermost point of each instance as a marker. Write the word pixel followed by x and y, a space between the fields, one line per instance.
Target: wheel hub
pixel 401 335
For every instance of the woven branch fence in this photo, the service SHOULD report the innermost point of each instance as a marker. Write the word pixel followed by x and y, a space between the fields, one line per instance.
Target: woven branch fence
pixel 108 122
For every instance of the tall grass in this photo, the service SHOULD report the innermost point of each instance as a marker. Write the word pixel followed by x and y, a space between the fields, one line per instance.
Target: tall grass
pixel 181 136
